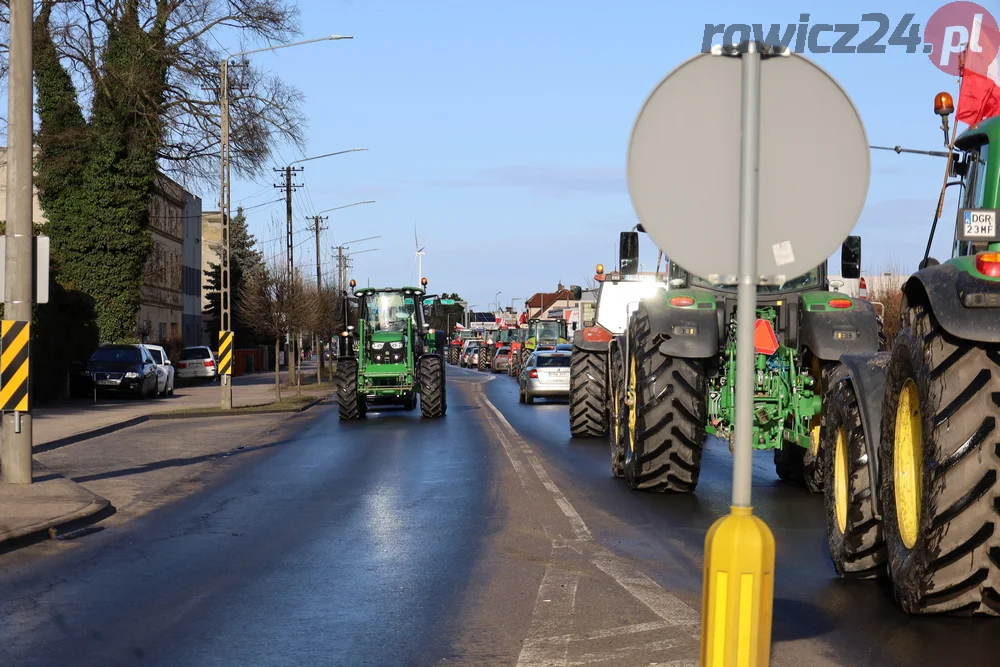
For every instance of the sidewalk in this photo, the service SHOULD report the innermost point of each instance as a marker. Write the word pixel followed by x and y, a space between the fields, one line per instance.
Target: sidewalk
pixel 53 500
pixel 57 424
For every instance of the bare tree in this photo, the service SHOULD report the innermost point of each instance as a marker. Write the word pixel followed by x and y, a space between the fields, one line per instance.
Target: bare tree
pixel 272 305
pixel 188 34
pixel 324 321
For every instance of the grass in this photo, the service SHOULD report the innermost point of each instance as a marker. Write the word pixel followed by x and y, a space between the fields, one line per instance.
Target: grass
pixel 286 404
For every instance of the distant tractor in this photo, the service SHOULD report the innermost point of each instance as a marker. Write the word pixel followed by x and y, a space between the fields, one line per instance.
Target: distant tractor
pixel 675 368
pixel 456 344
pixel 591 398
pixel 501 337
pixel 913 476
pixel 539 335
pixel 391 356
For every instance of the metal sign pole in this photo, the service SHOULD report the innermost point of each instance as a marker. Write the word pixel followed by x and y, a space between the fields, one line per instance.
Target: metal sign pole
pixel 746 312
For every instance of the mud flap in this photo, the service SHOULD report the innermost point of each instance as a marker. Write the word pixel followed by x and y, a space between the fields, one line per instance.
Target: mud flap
pixel 867 373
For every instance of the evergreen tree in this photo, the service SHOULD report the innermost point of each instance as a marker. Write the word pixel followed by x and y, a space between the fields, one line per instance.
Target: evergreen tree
pixel 244 258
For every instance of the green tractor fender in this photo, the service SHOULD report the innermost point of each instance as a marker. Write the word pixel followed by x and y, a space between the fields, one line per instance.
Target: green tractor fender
pixel 964 302
pixel 867 374
pixel 690 331
pixel 831 332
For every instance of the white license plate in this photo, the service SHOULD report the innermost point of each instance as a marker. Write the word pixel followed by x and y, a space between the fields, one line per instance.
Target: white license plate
pixel 107 382
pixel 980 224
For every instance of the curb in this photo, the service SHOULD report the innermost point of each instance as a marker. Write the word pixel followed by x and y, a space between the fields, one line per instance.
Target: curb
pixel 135 421
pixel 235 412
pixel 97 504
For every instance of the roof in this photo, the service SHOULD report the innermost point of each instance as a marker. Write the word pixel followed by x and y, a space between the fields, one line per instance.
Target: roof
pixel 988 129
pixel 542 299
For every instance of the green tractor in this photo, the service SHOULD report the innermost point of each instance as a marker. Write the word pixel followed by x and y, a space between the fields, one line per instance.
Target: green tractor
pixel 913 466
pixel 539 335
pixel 392 355
pixel 675 368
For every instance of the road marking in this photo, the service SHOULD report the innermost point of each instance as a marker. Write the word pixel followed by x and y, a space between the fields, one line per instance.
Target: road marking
pixel 556 601
pixel 544 646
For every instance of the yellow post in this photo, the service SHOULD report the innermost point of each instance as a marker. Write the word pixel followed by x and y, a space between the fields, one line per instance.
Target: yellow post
pixel 738 592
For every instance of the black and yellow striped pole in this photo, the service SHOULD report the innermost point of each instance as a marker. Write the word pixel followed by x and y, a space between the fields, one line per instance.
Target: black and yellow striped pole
pixel 15 383
pixel 226 368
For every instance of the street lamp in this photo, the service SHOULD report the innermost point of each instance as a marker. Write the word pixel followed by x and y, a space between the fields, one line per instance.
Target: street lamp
pixel 342 265
pixel 497 300
pixel 516 298
pixel 224 191
pixel 337 208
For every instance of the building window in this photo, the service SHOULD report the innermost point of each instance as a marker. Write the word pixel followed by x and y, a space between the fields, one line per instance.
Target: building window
pixel 173 330
pixel 163 331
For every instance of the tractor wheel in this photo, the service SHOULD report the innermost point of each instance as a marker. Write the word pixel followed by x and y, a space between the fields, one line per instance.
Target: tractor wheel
pixel 939 470
pixel 432 387
pixel 349 404
pixel 617 412
pixel 666 423
pixel 883 342
pixel 788 463
pixel 410 402
pixel 853 532
pixel 588 390
pixel 485 356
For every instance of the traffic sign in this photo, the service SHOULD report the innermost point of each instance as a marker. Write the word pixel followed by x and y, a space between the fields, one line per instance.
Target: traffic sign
pixel 447 302
pixel 684 166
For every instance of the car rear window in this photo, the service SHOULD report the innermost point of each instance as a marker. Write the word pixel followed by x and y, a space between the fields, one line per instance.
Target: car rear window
pixel 129 355
pixel 196 353
pixel 560 361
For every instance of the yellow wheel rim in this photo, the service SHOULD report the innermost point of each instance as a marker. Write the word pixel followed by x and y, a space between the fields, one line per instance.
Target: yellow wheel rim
pixel 614 414
pixel 907 463
pixel 632 408
pixel 840 480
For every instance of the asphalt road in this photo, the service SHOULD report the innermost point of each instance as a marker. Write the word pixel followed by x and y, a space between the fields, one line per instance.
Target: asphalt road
pixel 488 537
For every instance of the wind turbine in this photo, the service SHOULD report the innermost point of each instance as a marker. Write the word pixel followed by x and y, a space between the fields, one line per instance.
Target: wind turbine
pixel 419 252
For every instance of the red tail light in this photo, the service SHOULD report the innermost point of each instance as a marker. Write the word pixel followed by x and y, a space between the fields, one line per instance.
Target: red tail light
pixel 209 363
pixel 533 374
pixel 682 301
pixel 863 289
pixel 182 364
pixel 839 303
pixel 988 264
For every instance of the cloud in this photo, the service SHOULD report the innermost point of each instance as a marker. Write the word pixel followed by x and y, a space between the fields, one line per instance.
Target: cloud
pixel 545 180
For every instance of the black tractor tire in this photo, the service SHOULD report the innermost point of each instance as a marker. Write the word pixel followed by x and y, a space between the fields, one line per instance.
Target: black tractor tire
pixel 410 402
pixel 349 404
pixel 664 451
pixel 857 548
pixel 588 394
pixel 433 399
pixel 789 464
pixel 617 411
pixel 883 341
pixel 485 357
pixel 512 364
pixel 953 563
pixel 453 352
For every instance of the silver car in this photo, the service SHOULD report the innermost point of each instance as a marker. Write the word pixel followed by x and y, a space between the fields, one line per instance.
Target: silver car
pixel 545 374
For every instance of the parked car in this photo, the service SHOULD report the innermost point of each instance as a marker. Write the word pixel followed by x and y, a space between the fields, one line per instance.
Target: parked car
pixel 545 374
pixel 125 369
pixel 197 363
pixel 500 359
pixel 164 370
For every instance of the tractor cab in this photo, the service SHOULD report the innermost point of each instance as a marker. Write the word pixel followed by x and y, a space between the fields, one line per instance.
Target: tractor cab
pixel 545 334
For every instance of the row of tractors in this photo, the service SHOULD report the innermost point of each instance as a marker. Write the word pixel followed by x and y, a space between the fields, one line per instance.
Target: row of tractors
pixel 904 444
pixel 521 341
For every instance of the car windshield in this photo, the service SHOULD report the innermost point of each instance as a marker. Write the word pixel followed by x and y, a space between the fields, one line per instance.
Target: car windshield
pixel 389 311
pixel 196 353
pixel 553 361
pixel 122 355
pixel 548 330
pixel 157 355
pixel 616 301
pixel 809 279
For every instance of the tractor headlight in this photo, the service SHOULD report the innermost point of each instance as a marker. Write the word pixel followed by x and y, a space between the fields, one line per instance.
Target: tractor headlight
pixel 396 345
pixel 378 346
pixel 397 357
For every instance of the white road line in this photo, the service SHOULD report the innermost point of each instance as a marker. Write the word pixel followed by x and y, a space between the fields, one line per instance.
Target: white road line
pixel 671 609
pixel 518 468
pixel 555 602
pixel 620 631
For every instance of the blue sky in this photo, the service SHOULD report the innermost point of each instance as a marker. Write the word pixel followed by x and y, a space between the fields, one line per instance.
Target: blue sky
pixel 501 129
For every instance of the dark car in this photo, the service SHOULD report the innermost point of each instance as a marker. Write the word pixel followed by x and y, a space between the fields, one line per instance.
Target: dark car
pixel 125 369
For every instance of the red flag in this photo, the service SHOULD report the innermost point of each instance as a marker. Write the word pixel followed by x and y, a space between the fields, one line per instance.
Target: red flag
pixel 979 96
pixel 523 319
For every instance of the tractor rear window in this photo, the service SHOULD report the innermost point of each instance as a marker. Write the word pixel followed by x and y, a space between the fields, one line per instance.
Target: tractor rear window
pixel 560 361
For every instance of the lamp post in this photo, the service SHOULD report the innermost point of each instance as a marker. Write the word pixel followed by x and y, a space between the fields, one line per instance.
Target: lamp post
pixel 224 199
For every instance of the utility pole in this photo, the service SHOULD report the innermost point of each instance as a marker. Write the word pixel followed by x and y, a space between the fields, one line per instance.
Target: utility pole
pixel 319 288
pixel 17 433
pixel 289 250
